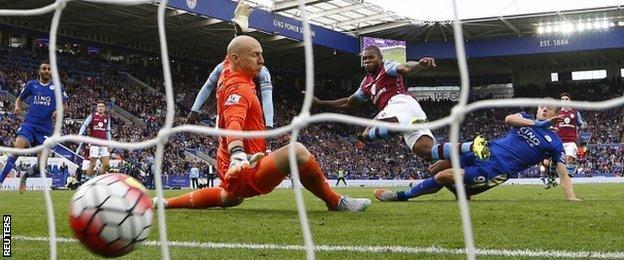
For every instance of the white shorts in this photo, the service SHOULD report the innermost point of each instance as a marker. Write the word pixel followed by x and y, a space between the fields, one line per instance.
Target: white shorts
pixel 406 109
pixel 85 164
pixel 570 149
pixel 98 151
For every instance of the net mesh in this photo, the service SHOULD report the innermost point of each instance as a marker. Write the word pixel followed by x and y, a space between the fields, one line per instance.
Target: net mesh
pixel 301 121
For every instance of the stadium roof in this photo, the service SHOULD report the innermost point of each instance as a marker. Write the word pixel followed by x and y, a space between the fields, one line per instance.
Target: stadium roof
pixel 436 10
pixel 338 15
pixel 430 20
pixel 202 37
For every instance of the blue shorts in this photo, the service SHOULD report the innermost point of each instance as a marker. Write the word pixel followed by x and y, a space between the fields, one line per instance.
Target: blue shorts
pixel 480 175
pixel 35 135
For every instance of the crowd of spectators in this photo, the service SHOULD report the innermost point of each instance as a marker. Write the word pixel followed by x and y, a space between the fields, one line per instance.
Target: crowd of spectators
pixel 333 144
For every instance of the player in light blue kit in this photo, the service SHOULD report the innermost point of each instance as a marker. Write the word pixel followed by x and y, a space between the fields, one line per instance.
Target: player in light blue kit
pixel 529 142
pixel 266 90
pixel 37 125
pixel 241 24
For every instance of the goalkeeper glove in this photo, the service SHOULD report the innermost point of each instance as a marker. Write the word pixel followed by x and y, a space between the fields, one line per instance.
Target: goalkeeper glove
pixel 241 16
pixel 239 161
pixel 192 118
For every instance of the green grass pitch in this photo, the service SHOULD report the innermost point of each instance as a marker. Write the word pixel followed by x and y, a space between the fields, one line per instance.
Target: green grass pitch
pixel 507 217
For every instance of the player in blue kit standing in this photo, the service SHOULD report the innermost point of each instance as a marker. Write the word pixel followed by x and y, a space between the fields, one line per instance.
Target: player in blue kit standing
pixel 529 142
pixel 37 125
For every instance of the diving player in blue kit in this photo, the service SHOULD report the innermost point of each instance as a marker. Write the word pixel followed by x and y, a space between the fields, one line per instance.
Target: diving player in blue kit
pixel 37 125
pixel 529 142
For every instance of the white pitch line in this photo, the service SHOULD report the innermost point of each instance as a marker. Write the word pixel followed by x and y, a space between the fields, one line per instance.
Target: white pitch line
pixel 370 249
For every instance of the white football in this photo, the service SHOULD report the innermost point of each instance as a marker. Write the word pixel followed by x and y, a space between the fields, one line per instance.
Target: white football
pixel 111 214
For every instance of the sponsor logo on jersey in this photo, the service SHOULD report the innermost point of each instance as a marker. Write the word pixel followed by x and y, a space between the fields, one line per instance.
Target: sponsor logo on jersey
pixel 42 100
pixel 548 138
pixel 52 87
pixel 529 136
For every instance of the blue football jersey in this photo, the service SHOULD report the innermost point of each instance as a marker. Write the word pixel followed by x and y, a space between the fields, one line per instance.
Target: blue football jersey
pixel 524 147
pixel 40 99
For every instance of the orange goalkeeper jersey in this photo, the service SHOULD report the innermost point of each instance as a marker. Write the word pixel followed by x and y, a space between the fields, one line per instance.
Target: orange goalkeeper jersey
pixel 237 106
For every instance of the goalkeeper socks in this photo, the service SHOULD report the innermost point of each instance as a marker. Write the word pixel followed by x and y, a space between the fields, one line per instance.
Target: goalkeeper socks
pixel 427 186
pixel 199 199
pixel 8 166
pixel 443 151
pixel 313 179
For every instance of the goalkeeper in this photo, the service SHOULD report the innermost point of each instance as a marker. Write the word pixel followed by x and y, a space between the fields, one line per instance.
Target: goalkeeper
pixel 241 23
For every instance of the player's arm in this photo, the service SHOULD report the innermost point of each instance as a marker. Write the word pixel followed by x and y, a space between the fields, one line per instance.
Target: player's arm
pixel 204 93
pixel 414 66
pixel 266 90
pixel 83 129
pixel 65 103
pixel 234 115
pixel 241 18
pixel 580 120
pixel 521 120
pixel 109 135
pixel 26 92
pixel 352 102
pixel 85 124
pixel 566 182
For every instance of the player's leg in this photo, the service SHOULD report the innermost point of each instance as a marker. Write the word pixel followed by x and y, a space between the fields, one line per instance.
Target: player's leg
pixel 427 186
pixel 104 155
pixel 32 172
pixel 439 170
pixel 20 142
pixel 92 162
pixel 571 149
pixel 311 176
pixel 373 132
pixel 478 146
pixel 337 182
pixel 550 174
pixel 94 153
pixel 263 178
pixel 344 181
pixel 105 164
pixel 203 198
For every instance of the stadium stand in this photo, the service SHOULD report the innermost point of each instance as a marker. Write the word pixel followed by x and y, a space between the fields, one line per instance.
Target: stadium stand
pixel 88 80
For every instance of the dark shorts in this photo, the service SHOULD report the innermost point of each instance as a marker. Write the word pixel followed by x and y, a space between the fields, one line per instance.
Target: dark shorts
pixel 480 175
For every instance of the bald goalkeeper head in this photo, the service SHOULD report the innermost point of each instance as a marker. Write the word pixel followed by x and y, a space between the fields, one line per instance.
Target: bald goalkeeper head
pixel 245 53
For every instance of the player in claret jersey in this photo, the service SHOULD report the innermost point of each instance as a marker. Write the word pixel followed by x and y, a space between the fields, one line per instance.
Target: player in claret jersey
pixel 568 131
pixel 383 86
pixel 99 125
pixel 37 126
pixel 241 163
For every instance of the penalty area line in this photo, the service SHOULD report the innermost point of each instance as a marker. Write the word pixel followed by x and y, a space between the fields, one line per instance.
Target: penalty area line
pixel 368 249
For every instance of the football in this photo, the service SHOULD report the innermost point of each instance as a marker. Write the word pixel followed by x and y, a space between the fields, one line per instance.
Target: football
pixel 111 214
